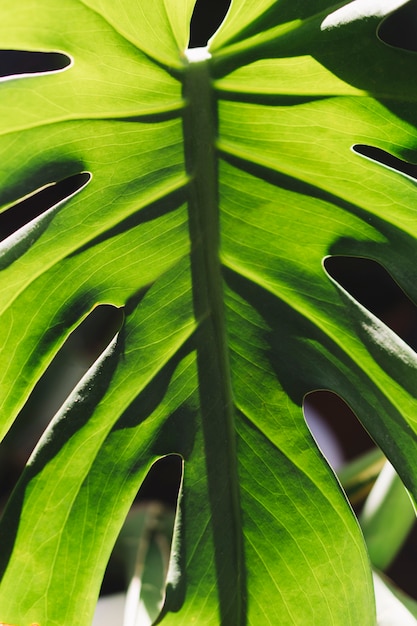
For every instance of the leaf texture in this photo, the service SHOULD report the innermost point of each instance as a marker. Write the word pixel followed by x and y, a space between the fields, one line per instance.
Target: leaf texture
pixel 217 190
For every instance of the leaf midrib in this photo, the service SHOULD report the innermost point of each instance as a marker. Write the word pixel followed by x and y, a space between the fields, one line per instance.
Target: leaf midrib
pixel 216 398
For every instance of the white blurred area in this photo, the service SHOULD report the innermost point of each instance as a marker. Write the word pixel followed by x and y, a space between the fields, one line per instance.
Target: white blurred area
pixel 324 437
pixel 110 610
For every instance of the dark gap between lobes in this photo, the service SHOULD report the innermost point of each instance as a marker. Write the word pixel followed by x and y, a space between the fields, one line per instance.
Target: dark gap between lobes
pixel 385 158
pixel 82 348
pixel 206 19
pixel 17 62
pixel 335 427
pixel 39 202
pixel 373 287
pixel 144 546
pixel 400 28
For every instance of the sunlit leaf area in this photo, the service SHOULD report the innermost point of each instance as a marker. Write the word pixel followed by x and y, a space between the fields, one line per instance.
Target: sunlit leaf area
pixel 208 325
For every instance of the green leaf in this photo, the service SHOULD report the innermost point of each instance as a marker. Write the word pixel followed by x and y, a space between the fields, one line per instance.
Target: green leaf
pixel 387 518
pixel 217 190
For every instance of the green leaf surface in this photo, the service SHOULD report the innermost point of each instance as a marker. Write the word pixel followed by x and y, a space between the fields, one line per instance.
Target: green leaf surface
pixel 217 190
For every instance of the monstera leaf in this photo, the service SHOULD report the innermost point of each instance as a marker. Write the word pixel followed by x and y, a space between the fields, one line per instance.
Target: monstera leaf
pixel 210 188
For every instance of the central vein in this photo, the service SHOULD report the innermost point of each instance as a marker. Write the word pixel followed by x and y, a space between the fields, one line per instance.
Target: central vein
pixel 200 132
